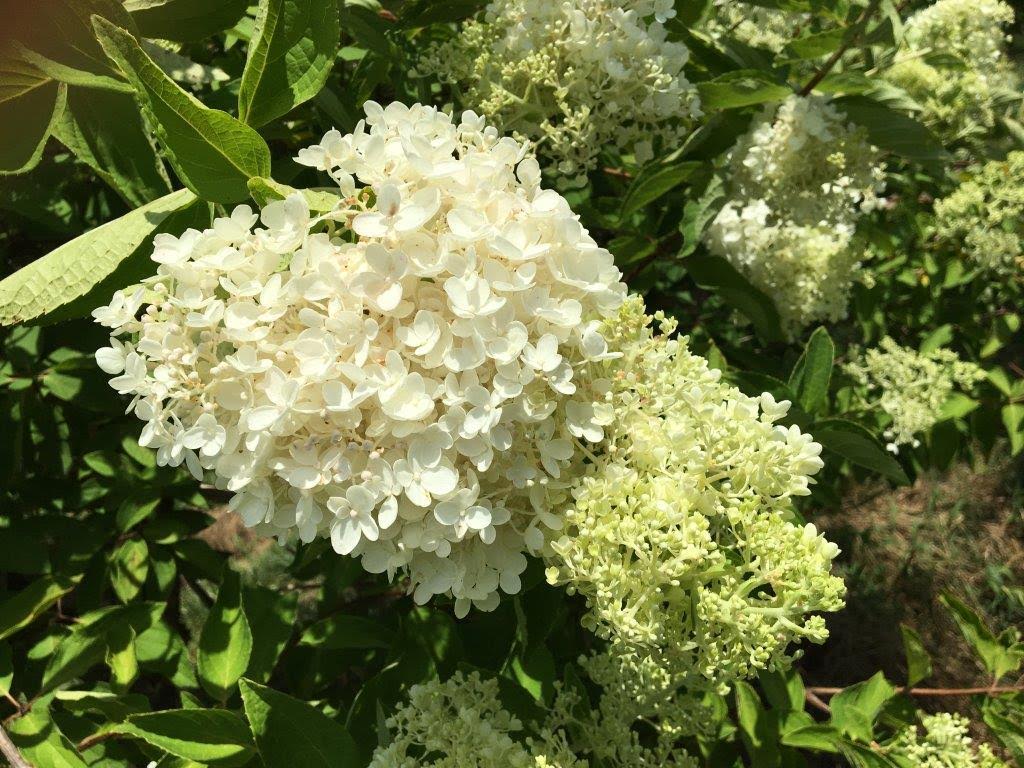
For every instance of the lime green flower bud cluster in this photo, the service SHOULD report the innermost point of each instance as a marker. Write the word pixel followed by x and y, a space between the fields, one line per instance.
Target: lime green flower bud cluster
pixel 754 25
pixel 910 386
pixel 984 217
pixel 944 744
pixel 960 100
pixel 798 182
pixel 681 537
pixel 573 77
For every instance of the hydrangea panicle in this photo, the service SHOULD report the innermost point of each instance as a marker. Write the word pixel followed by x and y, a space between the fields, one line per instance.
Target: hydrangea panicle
pixel 910 386
pixel 400 374
pixel 573 76
pixel 798 182
pixel 681 537
pixel 944 744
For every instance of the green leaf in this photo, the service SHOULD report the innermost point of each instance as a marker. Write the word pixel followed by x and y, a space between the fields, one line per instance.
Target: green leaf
pixel 63 73
pixel 86 646
pixel 857 445
pixel 1000 655
pixel 855 708
pixel 758 727
pixel 214 737
pixel 132 512
pixel 27 605
pixel 185 20
pixel 860 756
pixel 347 631
pixel 957 406
pixel 271 617
pixel 226 640
pixel 105 131
pixel 6 669
pixel 919 663
pixel 741 88
pixel 33 102
pixel 816 44
pixel 423 13
pixel 1013 420
pixel 121 658
pixel 813 372
pixel 290 57
pixel 894 131
pixel 654 181
pixel 213 153
pixel 319 199
pixel 128 568
pixel 817 738
pixel 717 273
pixel 1005 717
pixel 290 732
pixel 936 339
pixel 74 269
pixel 41 742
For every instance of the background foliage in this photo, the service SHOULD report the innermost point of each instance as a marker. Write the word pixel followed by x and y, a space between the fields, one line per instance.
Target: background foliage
pixel 138 622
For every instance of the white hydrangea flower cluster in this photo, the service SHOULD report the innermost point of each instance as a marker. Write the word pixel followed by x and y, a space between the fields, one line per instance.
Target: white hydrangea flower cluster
pixel 959 101
pixel 944 744
pixel 798 182
pixel 462 723
pixel 984 217
pixel 754 25
pixel 909 386
pixel 681 537
pixel 400 374
pixel 574 77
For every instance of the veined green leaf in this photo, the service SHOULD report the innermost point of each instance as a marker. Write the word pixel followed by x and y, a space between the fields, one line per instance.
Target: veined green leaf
pixel 290 57
pixel 41 742
pixel 290 732
pixel 226 640
pixel 32 101
pixel 128 568
pixel 741 88
pixel 24 607
pixel 185 20
pixel 105 131
pixel 212 152
pixel 655 181
pixel 813 372
pixel 214 737
pixel 856 444
pixel 76 268
pixel 919 663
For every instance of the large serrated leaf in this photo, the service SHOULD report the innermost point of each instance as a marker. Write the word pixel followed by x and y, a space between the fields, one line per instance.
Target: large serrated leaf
pixel 225 643
pixel 290 732
pixel 185 20
pixel 74 269
pixel 33 102
pixel 41 742
pixel 214 154
pixel 214 737
pixel 290 57
pixel 105 131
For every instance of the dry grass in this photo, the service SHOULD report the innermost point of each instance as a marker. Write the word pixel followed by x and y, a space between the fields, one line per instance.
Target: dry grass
pixel 963 533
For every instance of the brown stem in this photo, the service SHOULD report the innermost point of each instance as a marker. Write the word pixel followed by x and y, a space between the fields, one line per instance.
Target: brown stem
pixel 96 738
pixel 814 701
pixel 9 751
pixel 990 690
pixel 617 172
pixel 834 59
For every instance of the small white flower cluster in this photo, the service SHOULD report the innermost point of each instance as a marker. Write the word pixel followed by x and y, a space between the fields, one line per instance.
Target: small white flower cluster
pixel 944 744
pixel 575 77
pixel 984 217
pixel 798 182
pixel 462 723
pixel 681 537
pixel 959 101
pixel 909 386
pixel 755 25
pixel 400 374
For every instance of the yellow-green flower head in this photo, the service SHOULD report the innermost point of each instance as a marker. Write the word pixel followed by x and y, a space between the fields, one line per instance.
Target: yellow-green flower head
pixel 910 386
pixel 771 28
pixel 959 101
pixel 798 181
pixel 944 744
pixel 573 77
pixel 681 538
pixel 984 217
